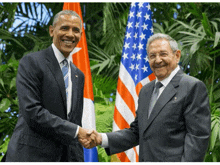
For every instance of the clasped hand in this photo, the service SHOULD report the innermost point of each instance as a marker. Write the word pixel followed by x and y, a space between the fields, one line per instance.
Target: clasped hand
pixel 89 138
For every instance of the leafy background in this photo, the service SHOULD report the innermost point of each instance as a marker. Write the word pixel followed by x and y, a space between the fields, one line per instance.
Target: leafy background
pixel 195 26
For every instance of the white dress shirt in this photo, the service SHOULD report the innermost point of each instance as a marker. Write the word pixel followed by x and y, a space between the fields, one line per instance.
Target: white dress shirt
pixel 59 56
pixel 165 82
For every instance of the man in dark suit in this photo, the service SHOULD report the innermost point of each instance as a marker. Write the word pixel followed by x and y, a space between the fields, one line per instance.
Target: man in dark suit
pixel 177 127
pixel 50 92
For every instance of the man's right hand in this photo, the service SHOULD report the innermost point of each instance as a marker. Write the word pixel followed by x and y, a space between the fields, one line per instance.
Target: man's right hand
pixel 97 136
pixel 84 137
pixel 89 138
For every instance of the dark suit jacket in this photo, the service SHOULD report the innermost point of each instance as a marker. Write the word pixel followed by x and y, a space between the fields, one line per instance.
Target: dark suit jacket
pixel 178 128
pixel 43 132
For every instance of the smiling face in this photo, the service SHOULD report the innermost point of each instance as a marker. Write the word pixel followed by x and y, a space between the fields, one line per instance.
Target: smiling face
pixel 162 59
pixel 66 33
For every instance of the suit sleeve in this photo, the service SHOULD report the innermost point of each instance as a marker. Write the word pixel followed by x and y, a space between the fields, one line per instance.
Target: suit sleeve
pixel 123 140
pixel 197 119
pixel 36 116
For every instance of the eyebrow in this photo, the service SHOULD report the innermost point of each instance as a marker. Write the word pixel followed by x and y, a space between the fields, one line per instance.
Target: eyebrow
pixel 163 51
pixel 67 26
pixel 64 26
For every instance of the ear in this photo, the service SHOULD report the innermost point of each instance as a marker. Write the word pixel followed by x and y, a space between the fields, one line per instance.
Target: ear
pixel 51 30
pixel 178 55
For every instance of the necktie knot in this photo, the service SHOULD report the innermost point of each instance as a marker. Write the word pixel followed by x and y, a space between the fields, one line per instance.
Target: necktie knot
pixel 158 85
pixel 64 67
pixel 65 62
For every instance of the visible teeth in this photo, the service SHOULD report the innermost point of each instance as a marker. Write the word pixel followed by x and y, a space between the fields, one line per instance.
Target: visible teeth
pixel 68 42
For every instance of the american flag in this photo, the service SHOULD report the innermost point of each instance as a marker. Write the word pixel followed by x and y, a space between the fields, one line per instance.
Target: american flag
pixel 134 71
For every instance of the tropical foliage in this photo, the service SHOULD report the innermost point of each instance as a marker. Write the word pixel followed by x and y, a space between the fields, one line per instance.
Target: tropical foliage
pixel 194 25
pixel 106 42
pixel 9 102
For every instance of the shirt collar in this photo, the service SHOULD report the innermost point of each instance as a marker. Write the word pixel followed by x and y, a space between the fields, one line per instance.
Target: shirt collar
pixel 59 56
pixel 166 81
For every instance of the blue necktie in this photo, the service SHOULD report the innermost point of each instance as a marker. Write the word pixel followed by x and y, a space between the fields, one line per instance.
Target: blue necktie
pixel 65 70
pixel 154 97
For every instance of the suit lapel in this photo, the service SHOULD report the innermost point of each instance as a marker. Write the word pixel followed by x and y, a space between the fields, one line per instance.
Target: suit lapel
pixel 164 98
pixel 75 79
pixel 54 66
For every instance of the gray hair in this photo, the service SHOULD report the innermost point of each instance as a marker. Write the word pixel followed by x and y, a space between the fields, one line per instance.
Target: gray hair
pixel 172 42
pixel 66 12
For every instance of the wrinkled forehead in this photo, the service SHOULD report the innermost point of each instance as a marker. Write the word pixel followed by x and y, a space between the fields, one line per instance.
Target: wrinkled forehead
pixel 68 19
pixel 159 45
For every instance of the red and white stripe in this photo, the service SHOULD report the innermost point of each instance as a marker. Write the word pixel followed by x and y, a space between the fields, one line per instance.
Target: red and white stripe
pixel 125 108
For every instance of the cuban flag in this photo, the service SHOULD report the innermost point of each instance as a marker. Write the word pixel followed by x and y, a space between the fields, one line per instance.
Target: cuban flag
pixel 80 58
pixel 134 72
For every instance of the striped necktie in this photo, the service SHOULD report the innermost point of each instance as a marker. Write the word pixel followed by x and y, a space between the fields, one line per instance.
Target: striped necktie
pixel 154 97
pixel 65 70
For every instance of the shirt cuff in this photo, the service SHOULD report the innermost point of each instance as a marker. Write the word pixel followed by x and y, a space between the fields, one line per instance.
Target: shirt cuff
pixel 104 140
pixel 77 131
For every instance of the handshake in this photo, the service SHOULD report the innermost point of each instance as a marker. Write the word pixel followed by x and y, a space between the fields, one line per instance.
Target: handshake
pixel 89 138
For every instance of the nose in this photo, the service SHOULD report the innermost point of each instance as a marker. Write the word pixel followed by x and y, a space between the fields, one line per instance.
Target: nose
pixel 70 33
pixel 158 59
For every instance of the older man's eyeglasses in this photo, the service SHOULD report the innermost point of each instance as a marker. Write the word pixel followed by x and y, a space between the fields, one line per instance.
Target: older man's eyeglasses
pixel 152 56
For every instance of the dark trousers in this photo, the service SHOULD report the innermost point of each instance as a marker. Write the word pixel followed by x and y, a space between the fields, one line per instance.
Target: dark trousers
pixel 64 157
